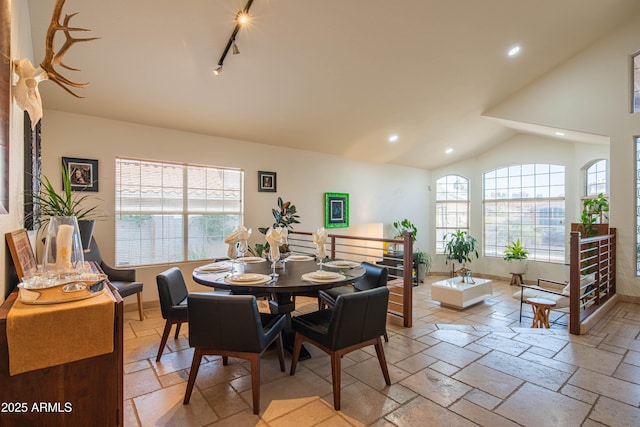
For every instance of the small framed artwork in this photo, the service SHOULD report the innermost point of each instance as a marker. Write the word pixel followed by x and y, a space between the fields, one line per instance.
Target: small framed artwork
pixel 83 173
pixel 267 181
pixel 336 210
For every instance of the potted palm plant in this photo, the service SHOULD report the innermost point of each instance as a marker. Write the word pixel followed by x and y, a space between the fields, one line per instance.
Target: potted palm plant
pixel 459 246
pixel 423 260
pixel 49 203
pixel 516 256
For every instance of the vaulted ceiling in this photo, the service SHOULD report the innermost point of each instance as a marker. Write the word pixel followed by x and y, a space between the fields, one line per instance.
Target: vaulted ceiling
pixel 331 76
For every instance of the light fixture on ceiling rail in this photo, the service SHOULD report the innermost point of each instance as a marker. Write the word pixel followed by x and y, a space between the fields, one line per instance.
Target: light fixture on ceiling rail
pixel 242 17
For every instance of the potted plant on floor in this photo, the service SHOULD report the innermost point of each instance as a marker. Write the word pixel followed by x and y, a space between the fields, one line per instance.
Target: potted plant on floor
pixel 516 256
pixel 423 260
pixel 459 246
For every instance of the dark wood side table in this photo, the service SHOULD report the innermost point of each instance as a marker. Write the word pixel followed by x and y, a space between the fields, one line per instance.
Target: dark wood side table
pixel 87 392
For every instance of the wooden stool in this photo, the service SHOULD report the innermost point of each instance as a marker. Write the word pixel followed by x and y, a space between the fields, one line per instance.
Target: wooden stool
pixel 541 308
pixel 516 279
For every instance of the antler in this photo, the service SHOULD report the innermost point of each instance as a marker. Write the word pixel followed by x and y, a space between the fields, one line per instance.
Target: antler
pixel 52 58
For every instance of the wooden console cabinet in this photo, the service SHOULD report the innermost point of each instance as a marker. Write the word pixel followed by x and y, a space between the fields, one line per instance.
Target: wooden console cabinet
pixel 87 392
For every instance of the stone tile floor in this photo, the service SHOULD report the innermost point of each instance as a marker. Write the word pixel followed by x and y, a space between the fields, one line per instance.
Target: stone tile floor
pixel 477 366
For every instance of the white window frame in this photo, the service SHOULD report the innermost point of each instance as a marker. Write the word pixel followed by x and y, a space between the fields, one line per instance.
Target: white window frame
pixel 527 202
pixel 167 212
pixel 637 141
pixel 635 80
pixel 452 207
pixel 597 171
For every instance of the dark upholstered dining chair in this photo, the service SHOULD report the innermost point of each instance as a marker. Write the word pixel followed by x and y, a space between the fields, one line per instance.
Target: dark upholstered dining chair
pixel 124 279
pixel 375 276
pixel 172 292
pixel 358 320
pixel 232 326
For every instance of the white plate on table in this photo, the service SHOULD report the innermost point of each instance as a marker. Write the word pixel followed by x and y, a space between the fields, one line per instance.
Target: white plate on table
pixel 248 278
pixel 250 259
pixel 323 277
pixel 300 258
pixel 342 264
pixel 214 268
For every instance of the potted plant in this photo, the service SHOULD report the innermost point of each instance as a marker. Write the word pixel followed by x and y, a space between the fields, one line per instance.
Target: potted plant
pixel 423 260
pixel 285 216
pixel 594 216
pixel 459 246
pixel 404 226
pixel 50 203
pixel 516 256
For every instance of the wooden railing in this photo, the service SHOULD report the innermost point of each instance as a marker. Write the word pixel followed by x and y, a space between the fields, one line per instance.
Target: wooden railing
pixel 396 254
pixel 592 275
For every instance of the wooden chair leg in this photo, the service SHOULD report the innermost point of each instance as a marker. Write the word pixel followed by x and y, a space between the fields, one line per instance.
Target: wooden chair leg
pixel 193 373
pixel 386 336
pixel 163 340
pixel 335 377
pixel 280 351
pixel 139 295
pixel 255 382
pixel 225 360
pixel 383 361
pixel 296 353
pixel 177 330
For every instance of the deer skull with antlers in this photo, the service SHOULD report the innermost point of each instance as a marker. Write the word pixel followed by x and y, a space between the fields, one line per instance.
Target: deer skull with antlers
pixel 25 90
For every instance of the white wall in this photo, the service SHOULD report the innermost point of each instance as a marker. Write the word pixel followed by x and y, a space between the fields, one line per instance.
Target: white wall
pixel 378 193
pixel 20 48
pixel 591 93
pixel 520 149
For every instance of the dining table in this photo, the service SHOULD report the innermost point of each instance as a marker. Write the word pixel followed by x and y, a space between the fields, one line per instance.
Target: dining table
pixel 296 275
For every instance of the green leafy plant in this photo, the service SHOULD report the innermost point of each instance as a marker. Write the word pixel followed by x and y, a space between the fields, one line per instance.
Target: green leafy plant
pixel 49 203
pixel 515 250
pixel 404 226
pixel 594 210
pixel 459 246
pixel 285 216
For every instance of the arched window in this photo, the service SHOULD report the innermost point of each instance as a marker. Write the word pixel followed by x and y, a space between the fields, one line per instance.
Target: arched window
pixel 597 178
pixel 526 202
pixel 452 207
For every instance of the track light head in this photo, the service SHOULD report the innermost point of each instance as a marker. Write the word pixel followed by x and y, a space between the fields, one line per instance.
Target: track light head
pixel 234 48
pixel 217 71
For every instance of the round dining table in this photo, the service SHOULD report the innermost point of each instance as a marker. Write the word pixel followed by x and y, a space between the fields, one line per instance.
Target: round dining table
pixel 282 288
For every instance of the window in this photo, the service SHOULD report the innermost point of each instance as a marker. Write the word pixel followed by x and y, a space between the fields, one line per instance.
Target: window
pixel 636 84
pixel 526 202
pixel 169 212
pixel 452 207
pixel 637 206
pixel 596 178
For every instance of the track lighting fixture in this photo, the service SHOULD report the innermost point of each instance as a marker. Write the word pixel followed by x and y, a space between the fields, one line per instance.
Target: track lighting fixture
pixel 242 17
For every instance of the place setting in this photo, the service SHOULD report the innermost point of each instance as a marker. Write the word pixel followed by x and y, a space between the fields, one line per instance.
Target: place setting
pixel 299 258
pixel 216 267
pixel 322 276
pixel 342 264
pixel 247 279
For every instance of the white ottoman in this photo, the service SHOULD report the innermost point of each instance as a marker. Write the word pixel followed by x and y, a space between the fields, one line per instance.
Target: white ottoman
pixel 454 293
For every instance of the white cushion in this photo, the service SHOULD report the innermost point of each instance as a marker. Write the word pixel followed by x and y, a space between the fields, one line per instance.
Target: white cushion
pixel 537 292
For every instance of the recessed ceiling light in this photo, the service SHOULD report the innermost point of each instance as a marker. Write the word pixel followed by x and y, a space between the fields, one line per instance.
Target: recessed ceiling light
pixel 393 138
pixel 559 133
pixel 514 51
pixel 449 150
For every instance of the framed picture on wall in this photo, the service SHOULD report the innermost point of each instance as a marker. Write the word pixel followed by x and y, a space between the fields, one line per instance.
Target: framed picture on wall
pixel 83 173
pixel 267 181
pixel 336 210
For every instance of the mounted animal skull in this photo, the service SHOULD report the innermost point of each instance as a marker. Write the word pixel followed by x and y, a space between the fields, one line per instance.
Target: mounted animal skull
pixel 25 90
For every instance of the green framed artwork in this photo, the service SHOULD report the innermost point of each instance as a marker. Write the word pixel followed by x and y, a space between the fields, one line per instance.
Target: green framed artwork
pixel 336 210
